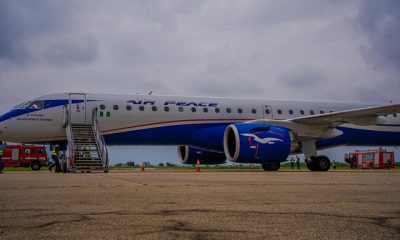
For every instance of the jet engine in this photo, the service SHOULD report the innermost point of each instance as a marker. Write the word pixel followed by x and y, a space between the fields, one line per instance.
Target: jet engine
pixel 256 143
pixel 189 155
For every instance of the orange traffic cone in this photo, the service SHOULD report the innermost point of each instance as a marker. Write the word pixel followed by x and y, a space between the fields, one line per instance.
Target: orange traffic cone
pixel 198 165
pixel 142 167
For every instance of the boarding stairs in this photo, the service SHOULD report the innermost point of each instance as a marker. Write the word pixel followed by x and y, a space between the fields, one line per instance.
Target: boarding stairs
pixel 87 150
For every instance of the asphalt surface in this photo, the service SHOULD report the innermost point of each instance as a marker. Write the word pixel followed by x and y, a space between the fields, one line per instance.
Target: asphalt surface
pixel 206 205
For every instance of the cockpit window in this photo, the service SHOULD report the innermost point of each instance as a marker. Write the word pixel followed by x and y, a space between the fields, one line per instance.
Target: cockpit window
pixel 30 105
pixel 36 105
pixel 23 105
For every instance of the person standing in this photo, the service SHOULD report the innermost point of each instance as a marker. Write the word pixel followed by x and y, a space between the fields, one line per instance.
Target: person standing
pixel 56 159
pixel 292 163
pixel 298 162
pixel 1 157
pixel 334 165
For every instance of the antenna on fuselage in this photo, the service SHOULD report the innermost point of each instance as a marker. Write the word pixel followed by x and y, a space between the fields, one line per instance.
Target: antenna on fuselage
pixel 150 92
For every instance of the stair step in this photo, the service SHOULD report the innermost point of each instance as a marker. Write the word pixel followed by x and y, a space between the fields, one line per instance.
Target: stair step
pixel 80 159
pixel 89 167
pixel 88 164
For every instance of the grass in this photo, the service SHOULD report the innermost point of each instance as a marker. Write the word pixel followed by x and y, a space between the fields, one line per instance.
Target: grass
pixel 284 166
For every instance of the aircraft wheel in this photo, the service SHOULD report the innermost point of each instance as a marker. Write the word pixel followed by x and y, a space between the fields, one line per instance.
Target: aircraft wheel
pixel 271 166
pixel 311 164
pixel 323 163
pixel 319 163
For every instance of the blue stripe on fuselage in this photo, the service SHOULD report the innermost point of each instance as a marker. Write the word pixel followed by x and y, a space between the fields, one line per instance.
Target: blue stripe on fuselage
pixel 210 136
pixel 360 137
pixel 15 112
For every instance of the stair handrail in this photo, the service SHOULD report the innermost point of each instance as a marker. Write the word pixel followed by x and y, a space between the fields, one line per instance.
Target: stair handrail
pixel 70 139
pixel 99 139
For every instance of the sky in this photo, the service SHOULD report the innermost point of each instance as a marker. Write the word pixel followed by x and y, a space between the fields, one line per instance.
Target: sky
pixel 306 49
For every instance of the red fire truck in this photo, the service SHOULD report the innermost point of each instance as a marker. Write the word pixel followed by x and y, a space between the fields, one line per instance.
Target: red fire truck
pixel 25 156
pixel 377 158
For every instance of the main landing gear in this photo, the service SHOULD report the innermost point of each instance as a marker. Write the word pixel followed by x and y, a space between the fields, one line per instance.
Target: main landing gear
pixel 314 162
pixel 319 163
pixel 271 166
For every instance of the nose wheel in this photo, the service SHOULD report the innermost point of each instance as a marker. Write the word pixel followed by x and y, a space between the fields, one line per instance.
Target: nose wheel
pixel 319 163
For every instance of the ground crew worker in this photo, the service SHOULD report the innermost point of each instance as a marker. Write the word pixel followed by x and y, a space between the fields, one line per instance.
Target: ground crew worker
pixel 1 157
pixel 334 164
pixel 292 163
pixel 56 158
pixel 298 162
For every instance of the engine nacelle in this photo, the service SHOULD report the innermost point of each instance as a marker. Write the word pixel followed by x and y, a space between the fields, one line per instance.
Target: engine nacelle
pixel 256 143
pixel 189 155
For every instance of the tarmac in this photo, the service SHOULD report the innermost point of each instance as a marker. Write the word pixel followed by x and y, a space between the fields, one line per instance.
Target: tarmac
pixel 207 205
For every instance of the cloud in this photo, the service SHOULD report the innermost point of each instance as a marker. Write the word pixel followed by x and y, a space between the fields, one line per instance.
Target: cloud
pixel 42 31
pixel 303 77
pixel 379 21
pixel 257 49
pixel 379 24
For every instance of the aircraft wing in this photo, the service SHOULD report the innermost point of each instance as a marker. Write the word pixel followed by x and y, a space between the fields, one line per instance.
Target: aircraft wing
pixel 323 125
pixel 361 116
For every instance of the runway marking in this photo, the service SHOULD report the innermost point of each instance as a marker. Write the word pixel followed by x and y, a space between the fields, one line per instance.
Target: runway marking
pixel 126 180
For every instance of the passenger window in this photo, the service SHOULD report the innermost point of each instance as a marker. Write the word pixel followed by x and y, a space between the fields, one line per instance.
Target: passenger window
pixel 322 112
pixel 154 108
pixel 267 111
pixel 205 110
pixel 240 110
pixel 312 112
pixel 194 109
pixel 27 151
pixel 40 151
pixel 253 111
pixel 302 112
pixel 115 107
pixel 102 107
pixel 217 110
pixel 291 112
pixel 228 110
pixel 180 109
pixel 141 108
pixel 279 111
pixel 128 107
pixel 166 109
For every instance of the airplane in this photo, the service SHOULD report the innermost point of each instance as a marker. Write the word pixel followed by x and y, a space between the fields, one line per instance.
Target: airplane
pixel 211 129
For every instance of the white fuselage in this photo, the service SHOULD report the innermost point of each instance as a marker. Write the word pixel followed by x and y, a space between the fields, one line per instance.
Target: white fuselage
pixel 165 120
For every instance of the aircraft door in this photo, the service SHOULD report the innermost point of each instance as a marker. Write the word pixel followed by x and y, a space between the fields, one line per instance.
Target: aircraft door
pixel 267 112
pixel 77 108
